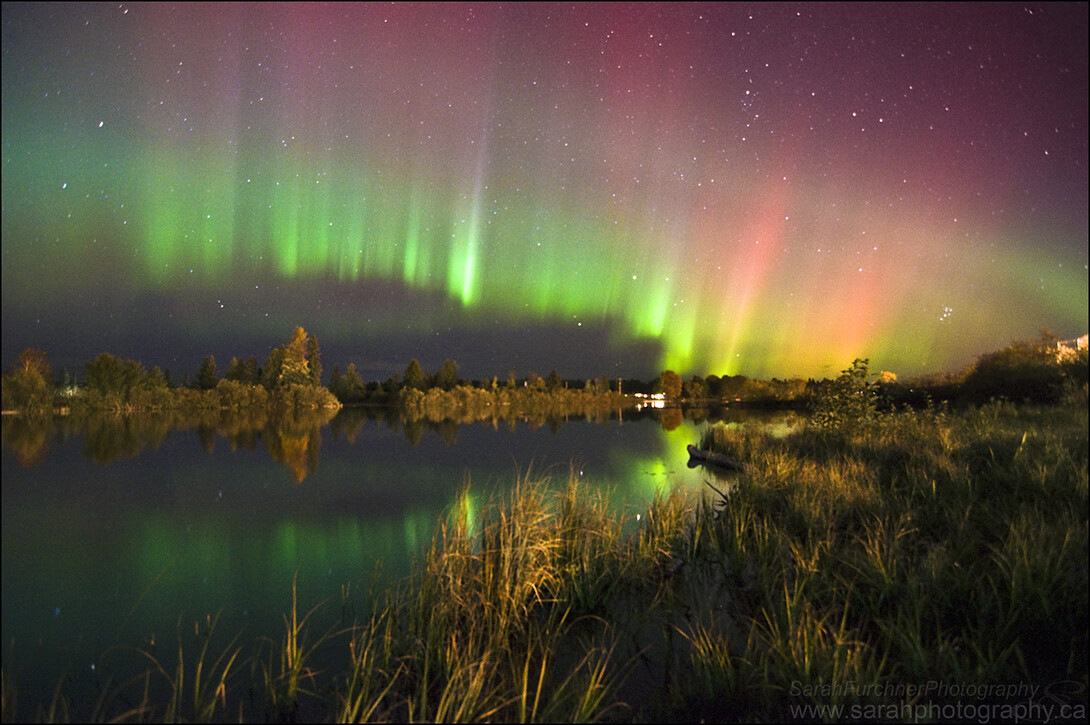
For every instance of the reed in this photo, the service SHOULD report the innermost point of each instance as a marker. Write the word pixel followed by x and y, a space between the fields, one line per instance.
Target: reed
pixel 286 671
pixel 485 623
pixel 920 547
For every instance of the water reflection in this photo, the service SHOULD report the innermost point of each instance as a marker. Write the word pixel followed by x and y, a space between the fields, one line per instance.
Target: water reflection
pixel 204 521
pixel 28 438
pixel 293 438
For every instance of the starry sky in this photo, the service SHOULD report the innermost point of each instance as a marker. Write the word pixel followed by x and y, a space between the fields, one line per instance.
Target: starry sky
pixel 600 189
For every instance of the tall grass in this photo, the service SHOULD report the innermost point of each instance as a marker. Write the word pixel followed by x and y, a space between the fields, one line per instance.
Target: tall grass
pixel 924 547
pixel 498 620
pixel 844 564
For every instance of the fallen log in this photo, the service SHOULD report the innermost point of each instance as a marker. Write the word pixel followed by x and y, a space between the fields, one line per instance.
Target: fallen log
pixel 713 458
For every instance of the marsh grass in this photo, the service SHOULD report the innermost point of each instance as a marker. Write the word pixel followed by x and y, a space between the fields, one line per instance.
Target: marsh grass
pixel 499 621
pixel 924 546
pixel 194 694
pixel 921 547
pixel 286 669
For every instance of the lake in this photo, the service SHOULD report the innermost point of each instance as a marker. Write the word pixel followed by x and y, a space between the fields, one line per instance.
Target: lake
pixel 127 532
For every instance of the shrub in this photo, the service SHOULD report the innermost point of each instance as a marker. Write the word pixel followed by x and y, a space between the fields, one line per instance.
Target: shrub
pixel 848 402
pixel 1030 371
pixel 27 390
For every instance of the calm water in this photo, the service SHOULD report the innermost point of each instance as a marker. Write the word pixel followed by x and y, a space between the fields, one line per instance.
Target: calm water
pixel 193 524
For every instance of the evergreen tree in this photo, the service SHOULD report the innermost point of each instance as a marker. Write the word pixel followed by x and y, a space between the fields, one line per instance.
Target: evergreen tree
pixel 234 369
pixel 157 379
pixel 270 372
pixel 314 360
pixel 251 373
pixel 246 372
pixel 335 379
pixel 414 375
pixel 109 374
pixel 206 375
pixel 447 377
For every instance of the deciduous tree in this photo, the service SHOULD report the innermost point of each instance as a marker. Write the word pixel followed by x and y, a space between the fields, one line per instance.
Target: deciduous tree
pixel 290 363
pixel 106 373
pixel 27 386
pixel 669 383
pixel 695 388
pixel 34 360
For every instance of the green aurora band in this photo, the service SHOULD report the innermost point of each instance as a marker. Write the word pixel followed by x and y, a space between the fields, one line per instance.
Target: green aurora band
pixel 525 261
pixel 556 174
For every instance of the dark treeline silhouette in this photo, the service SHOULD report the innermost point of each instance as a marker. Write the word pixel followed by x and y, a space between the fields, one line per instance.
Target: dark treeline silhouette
pixel 1041 370
pixel 1044 370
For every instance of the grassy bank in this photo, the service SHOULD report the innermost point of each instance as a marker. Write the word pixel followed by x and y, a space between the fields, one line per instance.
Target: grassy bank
pixel 924 547
pixel 924 560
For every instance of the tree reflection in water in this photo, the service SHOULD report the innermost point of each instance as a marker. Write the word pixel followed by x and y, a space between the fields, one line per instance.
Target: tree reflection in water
pixel 295 439
pixel 28 437
pixel 292 436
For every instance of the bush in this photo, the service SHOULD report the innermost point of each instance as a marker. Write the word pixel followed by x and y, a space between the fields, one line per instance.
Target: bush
pixel 1030 371
pixel 302 396
pixel 26 390
pixel 234 394
pixel 847 403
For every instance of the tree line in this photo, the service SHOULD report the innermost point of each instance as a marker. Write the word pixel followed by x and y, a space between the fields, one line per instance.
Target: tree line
pixel 289 377
pixel 350 387
pixel 292 375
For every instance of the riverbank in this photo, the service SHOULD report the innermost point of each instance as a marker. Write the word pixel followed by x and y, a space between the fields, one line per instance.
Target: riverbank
pixel 842 569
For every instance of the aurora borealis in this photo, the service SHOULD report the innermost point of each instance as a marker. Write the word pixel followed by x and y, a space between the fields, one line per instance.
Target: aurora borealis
pixel 768 190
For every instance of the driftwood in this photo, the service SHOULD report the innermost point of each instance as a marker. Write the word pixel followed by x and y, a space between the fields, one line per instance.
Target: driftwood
pixel 715 459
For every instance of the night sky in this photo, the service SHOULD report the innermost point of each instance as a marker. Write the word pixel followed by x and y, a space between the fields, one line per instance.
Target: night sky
pixel 600 189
